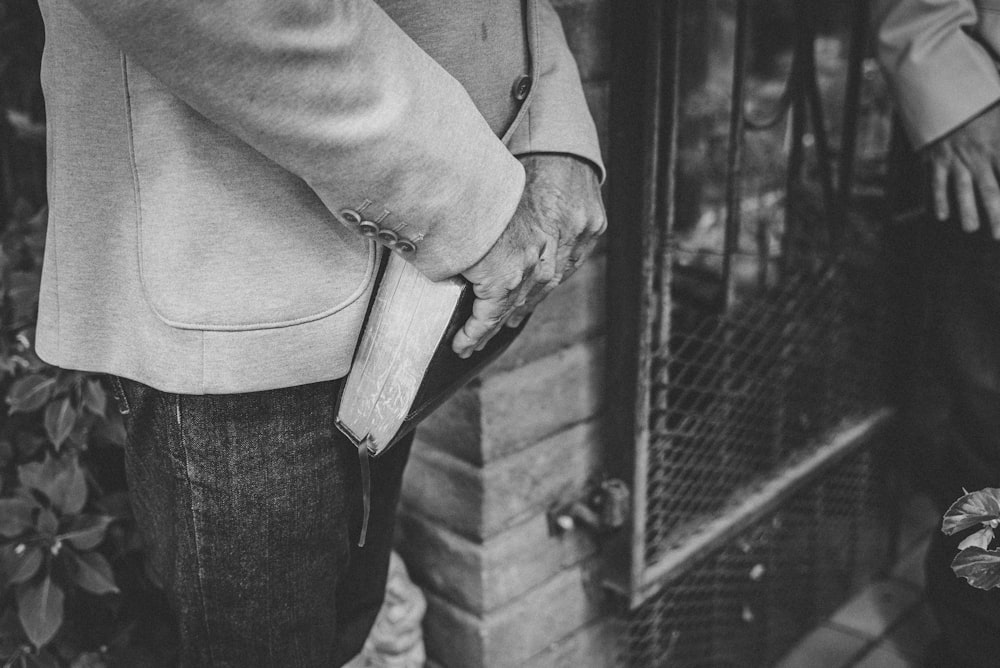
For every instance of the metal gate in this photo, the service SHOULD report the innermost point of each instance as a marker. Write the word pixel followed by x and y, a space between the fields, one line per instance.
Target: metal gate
pixel 748 322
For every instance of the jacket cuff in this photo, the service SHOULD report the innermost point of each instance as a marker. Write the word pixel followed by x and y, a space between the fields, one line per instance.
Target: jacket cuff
pixel 940 80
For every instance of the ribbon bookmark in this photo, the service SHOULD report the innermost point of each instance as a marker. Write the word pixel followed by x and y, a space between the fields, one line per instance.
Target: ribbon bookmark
pixel 366 485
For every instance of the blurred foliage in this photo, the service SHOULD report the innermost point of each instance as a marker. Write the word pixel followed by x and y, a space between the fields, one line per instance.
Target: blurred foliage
pixel 73 587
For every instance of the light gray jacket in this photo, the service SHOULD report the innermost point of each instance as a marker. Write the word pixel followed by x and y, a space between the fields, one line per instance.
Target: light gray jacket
pixel 940 57
pixel 201 154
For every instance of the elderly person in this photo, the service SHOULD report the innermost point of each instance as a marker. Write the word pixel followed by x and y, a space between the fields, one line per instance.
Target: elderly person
pixel 941 58
pixel 213 169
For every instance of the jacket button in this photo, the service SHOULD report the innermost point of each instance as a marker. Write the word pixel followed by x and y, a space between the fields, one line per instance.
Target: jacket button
pixel 521 87
pixel 405 246
pixel 351 216
pixel 368 229
pixel 388 237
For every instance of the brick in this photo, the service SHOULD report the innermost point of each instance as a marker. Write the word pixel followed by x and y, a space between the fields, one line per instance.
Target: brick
pixel 523 405
pixel 481 502
pixel 511 635
pixel 825 647
pixel 575 311
pixel 877 607
pixel 481 577
pixel 588 31
pixel 595 646
pixel 512 408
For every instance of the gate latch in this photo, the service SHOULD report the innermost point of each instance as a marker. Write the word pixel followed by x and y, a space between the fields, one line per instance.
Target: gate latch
pixel 604 509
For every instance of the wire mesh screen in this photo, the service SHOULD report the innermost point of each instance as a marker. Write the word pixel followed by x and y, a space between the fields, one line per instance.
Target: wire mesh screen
pixel 746 604
pixel 761 328
pixel 737 394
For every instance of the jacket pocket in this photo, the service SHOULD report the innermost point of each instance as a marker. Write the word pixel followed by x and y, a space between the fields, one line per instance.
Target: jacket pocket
pixel 229 240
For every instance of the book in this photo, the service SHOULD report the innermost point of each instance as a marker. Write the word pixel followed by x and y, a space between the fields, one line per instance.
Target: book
pixel 404 366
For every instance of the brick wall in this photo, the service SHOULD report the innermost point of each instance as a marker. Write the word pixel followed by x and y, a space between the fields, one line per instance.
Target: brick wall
pixel 524 436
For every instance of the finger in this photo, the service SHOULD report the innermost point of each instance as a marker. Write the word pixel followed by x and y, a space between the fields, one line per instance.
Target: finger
pixel 966 197
pixel 581 252
pixel 486 315
pixel 543 280
pixel 989 194
pixel 939 181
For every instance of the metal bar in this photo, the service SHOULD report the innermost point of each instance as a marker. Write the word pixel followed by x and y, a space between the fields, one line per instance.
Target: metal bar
pixel 852 100
pixel 734 159
pixel 652 133
pixel 669 184
pixel 715 533
pixel 833 215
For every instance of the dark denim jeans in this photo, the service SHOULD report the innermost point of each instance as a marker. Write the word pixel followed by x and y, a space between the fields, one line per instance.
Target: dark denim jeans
pixel 951 411
pixel 250 506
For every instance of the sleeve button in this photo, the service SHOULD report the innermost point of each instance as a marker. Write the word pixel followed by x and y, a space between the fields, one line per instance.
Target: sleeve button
pixel 405 246
pixel 368 229
pixel 388 237
pixel 351 216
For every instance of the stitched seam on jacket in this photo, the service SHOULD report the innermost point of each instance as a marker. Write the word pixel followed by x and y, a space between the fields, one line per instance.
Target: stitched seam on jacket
pixel 531 25
pixel 363 286
pixel 199 571
pixel 53 180
pixel 536 61
pixel 136 197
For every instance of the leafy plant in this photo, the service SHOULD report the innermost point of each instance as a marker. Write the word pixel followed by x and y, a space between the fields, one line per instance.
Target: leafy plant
pixel 73 587
pixel 976 562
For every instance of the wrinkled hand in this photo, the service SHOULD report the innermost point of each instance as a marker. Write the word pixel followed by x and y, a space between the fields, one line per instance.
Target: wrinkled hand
pixel 969 158
pixel 556 224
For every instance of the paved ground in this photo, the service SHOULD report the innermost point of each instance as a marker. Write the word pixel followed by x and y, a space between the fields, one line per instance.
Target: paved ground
pixel 887 625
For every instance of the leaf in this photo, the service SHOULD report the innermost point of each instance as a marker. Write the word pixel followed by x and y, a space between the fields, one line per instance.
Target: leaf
pixel 21 562
pixel 74 493
pixel 40 609
pixel 111 429
pixel 972 509
pixel 30 393
pixel 94 573
pixel 86 531
pixel 95 399
pixel 60 416
pixel 61 479
pixel 980 567
pixel 47 523
pixel 981 538
pixel 15 516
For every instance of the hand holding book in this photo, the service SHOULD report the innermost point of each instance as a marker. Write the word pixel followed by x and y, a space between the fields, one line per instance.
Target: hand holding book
pixel 556 224
pixel 404 367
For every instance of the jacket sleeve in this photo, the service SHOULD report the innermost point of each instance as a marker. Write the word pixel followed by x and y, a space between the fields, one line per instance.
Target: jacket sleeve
pixel 557 120
pixel 336 93
pixel 940 75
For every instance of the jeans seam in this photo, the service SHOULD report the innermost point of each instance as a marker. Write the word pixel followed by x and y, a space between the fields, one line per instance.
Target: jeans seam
pixel 119 391
pixel 267 575
pixel 200 571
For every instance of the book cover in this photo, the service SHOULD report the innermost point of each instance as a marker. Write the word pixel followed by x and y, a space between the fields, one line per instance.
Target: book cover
pixel 404 366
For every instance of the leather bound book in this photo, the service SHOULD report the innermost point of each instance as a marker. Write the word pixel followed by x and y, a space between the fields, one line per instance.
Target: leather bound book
pixel 404 366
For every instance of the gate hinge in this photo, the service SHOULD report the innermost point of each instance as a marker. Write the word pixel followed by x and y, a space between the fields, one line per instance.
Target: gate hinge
pixel 603 509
